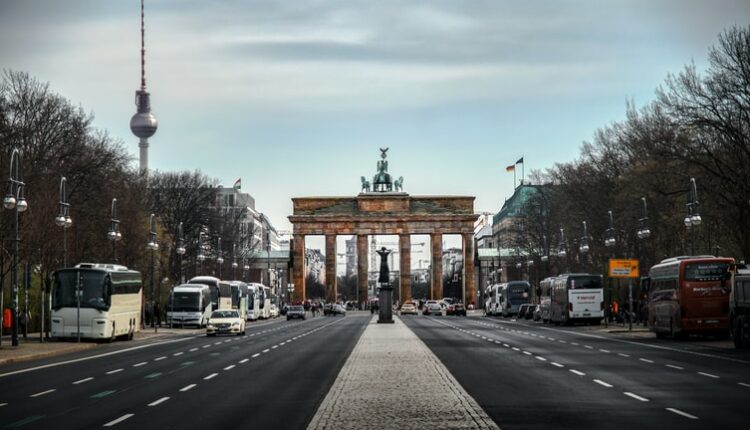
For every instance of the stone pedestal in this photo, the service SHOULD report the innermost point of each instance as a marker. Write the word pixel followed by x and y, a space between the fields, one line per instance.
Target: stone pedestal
pixel 385 304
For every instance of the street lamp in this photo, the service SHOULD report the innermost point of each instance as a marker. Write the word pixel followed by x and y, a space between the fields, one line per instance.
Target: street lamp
pixel 114 234
pixel 693 218
pixel 234 261
pixel 153 245
pixel 561 251
pixel 245 268
pixel 610 241
pixel 643 230
pixel 219 258
pixel 180 251
pixel 15 200
pixel 545 251
pixel 290 289
pixel 63 219
pixel 201 256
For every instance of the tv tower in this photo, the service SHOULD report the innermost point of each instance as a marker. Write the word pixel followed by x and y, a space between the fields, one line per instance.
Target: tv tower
pixel 143 124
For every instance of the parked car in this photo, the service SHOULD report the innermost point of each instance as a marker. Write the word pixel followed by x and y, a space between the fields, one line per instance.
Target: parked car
pixel 456 308
pixel 522 310
pixel 432 307
pixel 337 309
pixel 225 321
pixel 537 313
pixel 295 312
pixel 409 308
pixel 530 311
pixel 273 311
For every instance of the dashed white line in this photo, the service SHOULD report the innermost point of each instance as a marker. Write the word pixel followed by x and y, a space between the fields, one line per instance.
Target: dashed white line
pixel 602 383
pixel 112 372
pixel 527 352
pixel 541 358
pixel 244 360
pixel 255 355
pixel 230 367
pixel 515 349
pixel 265 350
pixel 577 372
pixel 3 404
pixel 90 378
pixel 636 396
pixel 217 343
pixel 158 402
pixel 709 375
pixel 118 421
pixel 506 345
pixel 646 360
pixel 744 384
pixel 177 354
pixel 588 346
pixel 681 413
pixel 211 376
pixel 557 364
pixel 163 357
pixel 206 346
pixel 623 355
pixel 606 351
pixel 275 346
pixel 228 340
pixel 187 388
pixel 142 363
pixel 672 366
pixel 43 393
pixel 574 343
pixel 551 338
pixel 193 349
pixel 562 341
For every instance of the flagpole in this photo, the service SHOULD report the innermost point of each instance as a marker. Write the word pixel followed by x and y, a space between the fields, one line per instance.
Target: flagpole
pixel 523 167
pixel 514 177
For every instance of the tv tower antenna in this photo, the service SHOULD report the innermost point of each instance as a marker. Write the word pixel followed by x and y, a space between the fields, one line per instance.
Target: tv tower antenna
pixel 143 124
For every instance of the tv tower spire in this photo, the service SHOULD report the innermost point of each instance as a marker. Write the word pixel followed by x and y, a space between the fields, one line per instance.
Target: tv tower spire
pixel 143 124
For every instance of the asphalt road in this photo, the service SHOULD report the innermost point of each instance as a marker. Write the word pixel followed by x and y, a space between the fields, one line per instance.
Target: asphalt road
pixel 532 376
pixel 274 377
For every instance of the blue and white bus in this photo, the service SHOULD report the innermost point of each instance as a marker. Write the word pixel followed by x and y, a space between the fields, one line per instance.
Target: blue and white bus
pixel 515 294
pixel 96 301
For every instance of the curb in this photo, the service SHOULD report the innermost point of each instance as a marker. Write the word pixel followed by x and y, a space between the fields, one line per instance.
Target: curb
pixel 34 356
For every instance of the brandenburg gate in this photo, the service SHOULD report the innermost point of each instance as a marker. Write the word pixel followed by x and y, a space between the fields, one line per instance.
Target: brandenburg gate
pixel 383 209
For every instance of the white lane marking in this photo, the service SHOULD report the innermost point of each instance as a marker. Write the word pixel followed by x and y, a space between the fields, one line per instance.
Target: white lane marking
pixel 3 404
pixel 193 349
pixel 588 346
pixel 557 364
pixel 684 414
pixel 708 375
pixel 177 354
pixel 562 341
pixel 646 360
pixel 211 376
pixel 636 396
pixel 577 372
pixel 483 337
pixel 163 357
pixel 288 340
pixel 672 366
pixel 574 343
pixel 606 351
pixel 43 393
pixel 744 384
pixel 90 378
pixel 112 372
pixel 265 350
pixel 623 355
pixel 255 355
pixel 158 402
pixel 490 340
pixel 541 358
pixel 516 349
pixel 275 346
pixel 244 360
pixel 602 383
pixel 142 363
pixel 230 367
pixel 498 342
pixel 217 343
pixel 118 421
pixel 551 338
pixel 506 345
pixel 187 388
pixel 527 352
pixel 206 346
pixel 282 344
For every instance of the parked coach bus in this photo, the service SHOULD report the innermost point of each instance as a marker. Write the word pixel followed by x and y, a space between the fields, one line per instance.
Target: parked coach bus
pixel 545 298
pixel 577 297
pixel 221 292
pixel 689 295
pixel 109 302
pixel 739 307
pixel 253 301
pixel 189 304
pixel 492 304
pixel 514 294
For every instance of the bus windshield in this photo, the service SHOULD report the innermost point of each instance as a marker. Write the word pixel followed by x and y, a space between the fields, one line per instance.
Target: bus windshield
pixel 518 294
pixel 94 287
pixel 236 293
pixel 186 302
pixel 584 282
pixel 705 271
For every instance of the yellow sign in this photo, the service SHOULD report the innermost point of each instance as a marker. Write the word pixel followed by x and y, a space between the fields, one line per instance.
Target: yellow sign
pixel 626 268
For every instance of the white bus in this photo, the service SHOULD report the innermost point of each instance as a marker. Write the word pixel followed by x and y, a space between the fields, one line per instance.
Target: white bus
pixel 545 298
pixel 221 292
pixel 492 304
pixel 189 304
pixel 514 294
pixel 264 300
pixel 577 297
pixel 253 302
pixel 108 303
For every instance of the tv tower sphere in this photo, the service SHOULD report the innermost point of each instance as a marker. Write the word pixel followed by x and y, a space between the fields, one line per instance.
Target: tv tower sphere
pixel 143 124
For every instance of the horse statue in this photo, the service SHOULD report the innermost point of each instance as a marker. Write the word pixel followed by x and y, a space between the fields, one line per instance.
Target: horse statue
pixel 365 185
pixel 398 184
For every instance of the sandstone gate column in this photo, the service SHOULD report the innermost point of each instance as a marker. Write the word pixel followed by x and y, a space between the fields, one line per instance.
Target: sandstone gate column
pixel 470 287
pixel 362 267
pixel 404 241
pixel 298 270
pixel 436 292
pixel 331 295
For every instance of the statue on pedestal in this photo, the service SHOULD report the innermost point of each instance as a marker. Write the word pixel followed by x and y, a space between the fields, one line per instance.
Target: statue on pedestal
pixel 385 272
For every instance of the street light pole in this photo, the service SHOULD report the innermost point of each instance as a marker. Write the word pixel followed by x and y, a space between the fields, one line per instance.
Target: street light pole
pixel 200 257
pixel 153 245
pixel 114 230
pixel 219 258
pixel 181 252
pixel 643 233
pixel 693 218
pixel 15 201
pixel 63 219
pixel 561 252
pixel 584 247
pixel 609 243
pixel 234 261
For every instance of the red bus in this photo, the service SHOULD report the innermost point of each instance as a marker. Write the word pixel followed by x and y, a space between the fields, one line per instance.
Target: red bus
pixel 689 295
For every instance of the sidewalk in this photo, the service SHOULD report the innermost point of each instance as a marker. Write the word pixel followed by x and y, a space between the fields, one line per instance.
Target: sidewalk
pixel 392 380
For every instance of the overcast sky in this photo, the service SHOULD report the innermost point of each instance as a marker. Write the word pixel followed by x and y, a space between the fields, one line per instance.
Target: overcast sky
pixel 295 97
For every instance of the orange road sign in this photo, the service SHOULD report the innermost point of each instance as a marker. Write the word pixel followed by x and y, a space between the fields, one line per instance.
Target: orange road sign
pixel 623 268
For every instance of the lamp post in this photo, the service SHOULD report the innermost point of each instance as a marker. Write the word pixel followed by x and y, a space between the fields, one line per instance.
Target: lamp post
pixel 181 251
pixel 643 233
pixel 219 258
pixel 609 243
pixel 245 269
pixel 153 245
pixel 584 246
pixel 693 218
pixel 290 289
pixel 17 202
pixel 561 251
pixel 545 255
pixel 63 219
pixel 114 234
pixel 234 261
pixel 201 256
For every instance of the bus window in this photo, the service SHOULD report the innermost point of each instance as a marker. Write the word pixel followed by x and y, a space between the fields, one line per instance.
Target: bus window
pixel 705 271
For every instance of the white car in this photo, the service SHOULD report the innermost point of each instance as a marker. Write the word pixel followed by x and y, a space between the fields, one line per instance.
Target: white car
pixel 225 321
pixel 273 311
